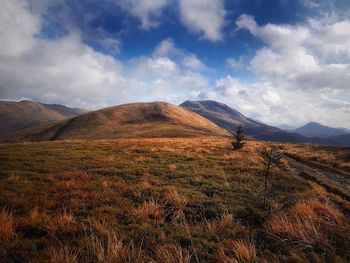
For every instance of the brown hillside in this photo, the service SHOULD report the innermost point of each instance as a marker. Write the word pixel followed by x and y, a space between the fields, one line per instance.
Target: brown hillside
pixel 16 116
pixel 157 119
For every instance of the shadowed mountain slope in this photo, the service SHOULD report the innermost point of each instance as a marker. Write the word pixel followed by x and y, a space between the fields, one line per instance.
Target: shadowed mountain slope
pixel 156 119
pixel 229 118
pixel 16 116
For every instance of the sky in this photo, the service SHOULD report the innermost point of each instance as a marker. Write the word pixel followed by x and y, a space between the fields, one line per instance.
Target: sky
pixel 282 62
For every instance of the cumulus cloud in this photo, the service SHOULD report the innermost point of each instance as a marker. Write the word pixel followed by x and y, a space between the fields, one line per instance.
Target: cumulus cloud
pixel 303 73
pixel 234 63
pixel 205 17
pixel 68 71
pixel 148 12
pixel 187 59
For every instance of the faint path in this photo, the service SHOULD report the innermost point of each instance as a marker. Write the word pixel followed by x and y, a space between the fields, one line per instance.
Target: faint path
pixel 334 183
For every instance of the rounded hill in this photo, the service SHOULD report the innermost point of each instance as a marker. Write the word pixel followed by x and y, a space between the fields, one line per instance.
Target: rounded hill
pixel 155 119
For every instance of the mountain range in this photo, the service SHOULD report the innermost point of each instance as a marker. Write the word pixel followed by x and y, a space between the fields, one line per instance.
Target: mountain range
pixel 32 121
pixel 228 118
pixel 155 119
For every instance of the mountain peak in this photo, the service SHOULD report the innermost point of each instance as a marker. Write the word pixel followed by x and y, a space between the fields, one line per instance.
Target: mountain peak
pixel 315 129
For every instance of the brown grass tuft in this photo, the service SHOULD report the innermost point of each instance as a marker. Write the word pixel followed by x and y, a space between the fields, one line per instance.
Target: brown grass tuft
pixel 223 225
pixel 64 218
pixel 172 254
pixel 240 251
pixel 309 224
pixel 7 228
pixel 150 210
pixel 63 254
pixel 178 203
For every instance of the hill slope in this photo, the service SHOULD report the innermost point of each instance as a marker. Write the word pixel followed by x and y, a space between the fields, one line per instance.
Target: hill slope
pixel 16 116
pixel 314 129
pixel 156 119
pixel 227 117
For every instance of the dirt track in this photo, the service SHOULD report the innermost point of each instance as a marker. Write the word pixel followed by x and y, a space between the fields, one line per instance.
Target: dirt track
pixel 334 183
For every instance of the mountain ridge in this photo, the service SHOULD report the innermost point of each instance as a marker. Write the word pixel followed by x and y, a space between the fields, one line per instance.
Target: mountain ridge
pixel 154 119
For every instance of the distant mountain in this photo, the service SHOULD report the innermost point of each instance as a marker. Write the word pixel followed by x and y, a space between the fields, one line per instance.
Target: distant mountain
pixel 156 119
pixel 227 117
pixel 314 129
pixel 16 116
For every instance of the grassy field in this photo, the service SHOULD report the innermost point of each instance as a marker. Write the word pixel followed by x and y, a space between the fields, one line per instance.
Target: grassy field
pixel 164 200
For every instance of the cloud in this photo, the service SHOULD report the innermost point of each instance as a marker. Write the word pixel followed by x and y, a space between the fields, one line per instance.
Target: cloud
pixel 147 12
pixel 193 62
pixel 303 73
pixel 234 63
pixel 187 59
pixel 205 17
pixel 17 26
pixel 68 71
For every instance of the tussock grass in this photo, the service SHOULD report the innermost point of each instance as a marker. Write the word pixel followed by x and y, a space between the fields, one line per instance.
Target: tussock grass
pixel 172 254
pixel 308 225
pixel 7 225
pixel 64 254
pixel 177 204
pixel 239 251
pixel 150 210
pixel 105 246
pixel 159 200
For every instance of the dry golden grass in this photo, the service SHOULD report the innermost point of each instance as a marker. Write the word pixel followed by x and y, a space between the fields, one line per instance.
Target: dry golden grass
pixel 105 246
pixel 63 254
pixel 307 225
pixel 172 254
pixel 177 202
pixel 7 226
pixel 149 210
pixel 239 251
pixel 64 218
pixel 132 200
pixel 225 224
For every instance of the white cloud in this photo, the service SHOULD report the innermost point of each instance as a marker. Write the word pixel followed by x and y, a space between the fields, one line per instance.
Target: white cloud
pixel 234 63
pixel 206 17
pixel 187 59
pixel 191 61
pixel 166 48
pixel 17 27
pixel 65 70
pixel 303 74
pixel 148 12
